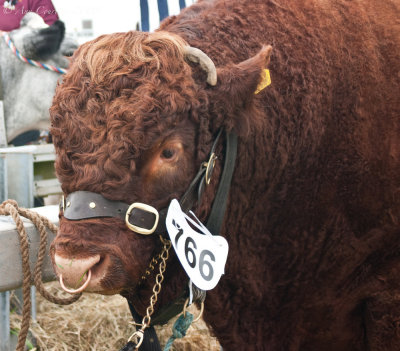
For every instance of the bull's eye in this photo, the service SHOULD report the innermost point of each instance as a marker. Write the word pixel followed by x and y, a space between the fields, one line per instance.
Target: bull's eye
pixel 165 158
pixel 167 154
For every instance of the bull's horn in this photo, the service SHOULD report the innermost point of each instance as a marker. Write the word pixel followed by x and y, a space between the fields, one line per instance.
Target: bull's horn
pixel 197 56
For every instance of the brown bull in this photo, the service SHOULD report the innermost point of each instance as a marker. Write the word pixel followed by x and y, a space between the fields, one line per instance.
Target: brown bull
pixel 313 212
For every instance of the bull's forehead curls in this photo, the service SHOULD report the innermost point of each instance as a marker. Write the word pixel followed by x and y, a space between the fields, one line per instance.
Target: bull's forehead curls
pixel 143 73
pixel 122 92
pixel 118 54
pixel 130 77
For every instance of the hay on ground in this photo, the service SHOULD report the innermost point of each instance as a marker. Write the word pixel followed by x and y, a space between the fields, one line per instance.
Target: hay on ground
pixel 100 323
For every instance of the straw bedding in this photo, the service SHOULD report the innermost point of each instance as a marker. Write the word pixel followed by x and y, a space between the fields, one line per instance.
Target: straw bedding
pixel 99 323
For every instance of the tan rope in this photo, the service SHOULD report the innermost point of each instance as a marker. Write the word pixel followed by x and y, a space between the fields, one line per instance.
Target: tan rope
pixel 10 207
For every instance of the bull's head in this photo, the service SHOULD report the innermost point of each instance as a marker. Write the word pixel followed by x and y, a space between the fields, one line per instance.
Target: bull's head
pixel 132 121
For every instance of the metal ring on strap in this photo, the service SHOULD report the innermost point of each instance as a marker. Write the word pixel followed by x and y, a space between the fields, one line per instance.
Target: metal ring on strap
pixel 210 167
pixel 200 313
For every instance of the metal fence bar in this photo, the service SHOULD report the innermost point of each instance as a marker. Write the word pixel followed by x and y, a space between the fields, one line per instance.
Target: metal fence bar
pixel 4 296
pixel 3 136
pixel 5 321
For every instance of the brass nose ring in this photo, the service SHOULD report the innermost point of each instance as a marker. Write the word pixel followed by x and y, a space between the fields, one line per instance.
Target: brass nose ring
pixel 76 291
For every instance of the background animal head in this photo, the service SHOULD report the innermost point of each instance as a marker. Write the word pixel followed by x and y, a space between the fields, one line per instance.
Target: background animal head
pixel 28 90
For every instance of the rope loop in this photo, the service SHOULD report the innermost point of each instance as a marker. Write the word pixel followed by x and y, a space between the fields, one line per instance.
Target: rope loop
pixel 10 207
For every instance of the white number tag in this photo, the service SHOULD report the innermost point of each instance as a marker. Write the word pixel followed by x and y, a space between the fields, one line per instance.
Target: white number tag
pixel 202 255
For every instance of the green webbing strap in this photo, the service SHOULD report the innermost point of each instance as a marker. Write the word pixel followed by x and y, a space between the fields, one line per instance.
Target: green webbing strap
pixel 179 329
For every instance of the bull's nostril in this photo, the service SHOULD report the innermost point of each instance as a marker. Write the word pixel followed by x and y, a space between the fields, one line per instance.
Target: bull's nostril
pixel 73 270
pixel 97 266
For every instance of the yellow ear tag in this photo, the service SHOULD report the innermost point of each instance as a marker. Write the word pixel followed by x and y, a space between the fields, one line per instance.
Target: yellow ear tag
pixel 265 81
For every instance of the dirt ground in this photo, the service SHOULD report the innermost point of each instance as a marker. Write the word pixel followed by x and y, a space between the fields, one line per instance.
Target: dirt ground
pixel 101 323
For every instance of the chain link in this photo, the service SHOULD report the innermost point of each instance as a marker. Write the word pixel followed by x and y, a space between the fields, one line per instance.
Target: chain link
pixel 159 279
pixel 150 269
pixel 152 265
pixel 164 255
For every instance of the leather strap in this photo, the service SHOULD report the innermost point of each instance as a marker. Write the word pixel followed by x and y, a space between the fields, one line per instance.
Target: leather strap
pixel 85 204
pixel 196 188
pixel 216 217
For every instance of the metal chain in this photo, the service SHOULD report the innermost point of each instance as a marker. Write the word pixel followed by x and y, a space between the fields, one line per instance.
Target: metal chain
pixel 150 269
pixel 164 255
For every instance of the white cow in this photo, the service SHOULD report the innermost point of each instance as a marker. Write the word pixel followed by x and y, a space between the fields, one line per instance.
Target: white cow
pixel 28 90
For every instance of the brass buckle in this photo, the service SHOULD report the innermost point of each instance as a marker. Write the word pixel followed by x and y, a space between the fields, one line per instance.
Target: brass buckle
pixel 143 207
pixel 210 167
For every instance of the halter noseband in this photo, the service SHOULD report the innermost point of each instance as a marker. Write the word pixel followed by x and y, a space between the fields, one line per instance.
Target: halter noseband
pixel 139 217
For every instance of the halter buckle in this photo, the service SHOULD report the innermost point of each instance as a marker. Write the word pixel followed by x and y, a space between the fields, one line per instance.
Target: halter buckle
pixel 145 208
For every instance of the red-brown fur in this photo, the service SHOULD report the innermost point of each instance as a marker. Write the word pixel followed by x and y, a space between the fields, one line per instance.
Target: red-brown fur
pixel 313 215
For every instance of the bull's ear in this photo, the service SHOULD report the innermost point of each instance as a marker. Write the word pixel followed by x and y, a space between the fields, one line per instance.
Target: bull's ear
pixel 45 42
pixel 236 89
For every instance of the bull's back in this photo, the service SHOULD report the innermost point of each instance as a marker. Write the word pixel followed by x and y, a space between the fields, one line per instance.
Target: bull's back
pixel 335 71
